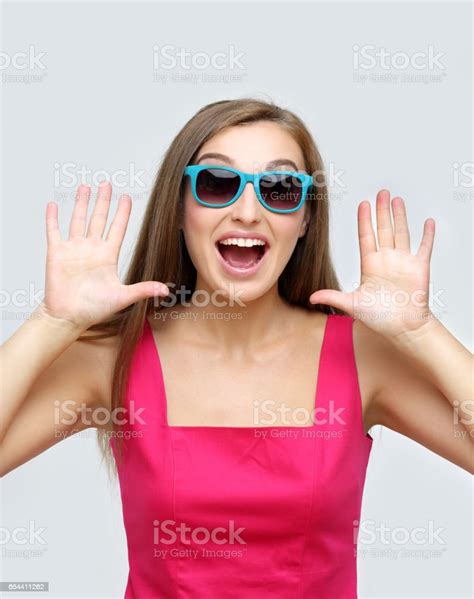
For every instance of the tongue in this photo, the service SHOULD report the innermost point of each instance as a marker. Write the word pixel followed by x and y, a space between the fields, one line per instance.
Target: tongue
pixel 239 257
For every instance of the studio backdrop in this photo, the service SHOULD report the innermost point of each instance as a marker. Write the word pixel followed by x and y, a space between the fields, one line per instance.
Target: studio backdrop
pixel 95 90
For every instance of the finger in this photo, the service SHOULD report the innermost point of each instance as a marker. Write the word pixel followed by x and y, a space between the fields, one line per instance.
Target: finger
pixel 101 211
pixel 331 297
pixel 402 234
pixel 53 235
pixel 426 245
pixel 119 224
pixel 139 291
pixel 77 225
pixel 367 243
pixel 384 220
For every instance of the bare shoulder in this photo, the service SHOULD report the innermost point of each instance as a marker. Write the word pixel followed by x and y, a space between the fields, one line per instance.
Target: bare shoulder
pixel 312 323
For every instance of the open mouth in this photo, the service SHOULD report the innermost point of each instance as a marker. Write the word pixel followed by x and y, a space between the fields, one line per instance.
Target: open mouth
pixel 241 254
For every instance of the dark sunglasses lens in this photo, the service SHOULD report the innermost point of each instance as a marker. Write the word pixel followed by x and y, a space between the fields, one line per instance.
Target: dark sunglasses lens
pixel 281 192
pixel 216 186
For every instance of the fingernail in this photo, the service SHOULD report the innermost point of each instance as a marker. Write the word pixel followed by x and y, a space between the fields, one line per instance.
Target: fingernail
pixel 160 288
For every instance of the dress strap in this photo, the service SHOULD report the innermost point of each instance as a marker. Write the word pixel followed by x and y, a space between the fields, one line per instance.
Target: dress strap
pixel 156 386
pixel 145 386
pixel 339 394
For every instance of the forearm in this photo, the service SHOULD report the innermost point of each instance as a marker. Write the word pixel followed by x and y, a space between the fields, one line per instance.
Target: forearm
pixel 447 364
pixel 26 355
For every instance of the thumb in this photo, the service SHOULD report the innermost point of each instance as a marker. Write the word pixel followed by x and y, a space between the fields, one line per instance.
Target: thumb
pixel 331 297
pixel 140 291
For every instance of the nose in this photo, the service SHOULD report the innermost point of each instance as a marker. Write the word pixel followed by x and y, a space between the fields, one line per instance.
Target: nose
pixel 247 208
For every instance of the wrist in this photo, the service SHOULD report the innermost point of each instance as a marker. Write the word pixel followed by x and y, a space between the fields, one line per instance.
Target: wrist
pixel 70 328
pixel 413 336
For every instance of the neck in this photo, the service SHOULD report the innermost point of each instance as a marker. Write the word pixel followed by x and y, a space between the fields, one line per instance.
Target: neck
pixel 234 326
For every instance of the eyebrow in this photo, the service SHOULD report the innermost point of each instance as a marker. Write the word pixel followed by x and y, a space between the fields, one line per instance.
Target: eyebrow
pixel 224 158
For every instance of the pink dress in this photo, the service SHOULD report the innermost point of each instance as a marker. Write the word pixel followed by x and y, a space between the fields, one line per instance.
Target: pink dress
pixel 245 512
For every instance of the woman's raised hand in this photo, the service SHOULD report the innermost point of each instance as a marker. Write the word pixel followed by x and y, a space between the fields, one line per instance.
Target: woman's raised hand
pixel 82 285
pixel 392 297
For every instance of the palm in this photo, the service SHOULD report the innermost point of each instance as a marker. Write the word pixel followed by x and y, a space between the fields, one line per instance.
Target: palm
pixel 82 283
pixel 393 291
pixel 81 277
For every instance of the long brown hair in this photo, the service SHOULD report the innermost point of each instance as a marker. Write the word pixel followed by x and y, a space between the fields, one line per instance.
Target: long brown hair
pixel 160 253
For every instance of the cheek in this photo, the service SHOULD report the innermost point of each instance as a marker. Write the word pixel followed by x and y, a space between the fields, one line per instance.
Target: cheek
pixel 286 230
pixel 191 216
pixel 198 226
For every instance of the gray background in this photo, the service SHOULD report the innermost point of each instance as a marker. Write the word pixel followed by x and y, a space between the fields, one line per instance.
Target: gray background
pixel 97 103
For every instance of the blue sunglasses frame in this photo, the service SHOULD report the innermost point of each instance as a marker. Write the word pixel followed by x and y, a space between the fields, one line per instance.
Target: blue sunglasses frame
pixel 193 170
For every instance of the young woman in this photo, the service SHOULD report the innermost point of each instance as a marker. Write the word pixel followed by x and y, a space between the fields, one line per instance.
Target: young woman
pixel 239 381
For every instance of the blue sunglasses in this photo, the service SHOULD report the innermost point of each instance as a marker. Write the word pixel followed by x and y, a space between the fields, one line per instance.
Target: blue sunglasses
pixel 220 186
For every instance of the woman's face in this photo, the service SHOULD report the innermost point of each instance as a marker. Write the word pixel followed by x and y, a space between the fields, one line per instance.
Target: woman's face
pixel 250 148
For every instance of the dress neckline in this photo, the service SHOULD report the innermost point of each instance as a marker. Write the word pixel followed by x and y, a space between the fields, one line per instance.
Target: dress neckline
pixel 150 338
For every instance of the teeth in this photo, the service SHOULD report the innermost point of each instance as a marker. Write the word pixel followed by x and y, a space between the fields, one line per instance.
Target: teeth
pixel 241 242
